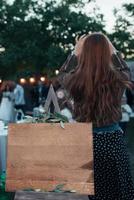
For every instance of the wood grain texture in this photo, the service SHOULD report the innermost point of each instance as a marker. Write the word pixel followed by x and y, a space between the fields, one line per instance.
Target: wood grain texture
pixel 21 195
pixel 45 155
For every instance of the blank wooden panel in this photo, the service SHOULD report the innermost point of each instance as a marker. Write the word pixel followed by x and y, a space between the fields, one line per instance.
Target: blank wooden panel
pixel 45 155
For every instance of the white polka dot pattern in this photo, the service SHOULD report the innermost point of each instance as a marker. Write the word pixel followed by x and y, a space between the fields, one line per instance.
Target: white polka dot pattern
pixel 111 167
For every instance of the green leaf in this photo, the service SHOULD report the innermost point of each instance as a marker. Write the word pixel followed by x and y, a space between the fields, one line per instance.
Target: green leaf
pixel 62 124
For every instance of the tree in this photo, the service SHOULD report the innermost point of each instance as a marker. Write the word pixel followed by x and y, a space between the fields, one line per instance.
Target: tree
pixel 130 8
pixel 38 35
pixel 123 37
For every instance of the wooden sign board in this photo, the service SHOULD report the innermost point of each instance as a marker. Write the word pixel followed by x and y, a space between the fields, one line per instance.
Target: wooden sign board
pixel 45 155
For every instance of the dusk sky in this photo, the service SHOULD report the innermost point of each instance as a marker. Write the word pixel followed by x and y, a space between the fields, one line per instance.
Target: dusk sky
pixel 106 8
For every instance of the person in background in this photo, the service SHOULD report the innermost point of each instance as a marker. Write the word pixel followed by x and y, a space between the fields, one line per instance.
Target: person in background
pixel 40 93
pixel 19 98
pixel 126 112
pixel 96 85
pixel 7 111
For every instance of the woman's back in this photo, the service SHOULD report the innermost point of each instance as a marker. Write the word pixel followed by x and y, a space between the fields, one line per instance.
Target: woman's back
pixel 97 84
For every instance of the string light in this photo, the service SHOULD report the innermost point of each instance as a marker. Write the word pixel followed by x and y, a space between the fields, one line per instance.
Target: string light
pixel 56 71
pixel 22 80
pixel 2 49
pixel 42 78
pixel 32 80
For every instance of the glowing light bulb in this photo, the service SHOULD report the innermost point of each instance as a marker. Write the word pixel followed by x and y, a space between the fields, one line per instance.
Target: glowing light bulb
pixel 42 79
pixel 22 80
pixel 32 80
pixel 56 71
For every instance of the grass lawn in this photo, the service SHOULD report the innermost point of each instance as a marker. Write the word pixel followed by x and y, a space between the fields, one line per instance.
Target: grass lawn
pixel 6 195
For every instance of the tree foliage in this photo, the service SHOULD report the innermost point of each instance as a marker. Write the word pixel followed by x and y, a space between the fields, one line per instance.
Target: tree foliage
pixel 38 35
pixel 123 35
pixel 130 8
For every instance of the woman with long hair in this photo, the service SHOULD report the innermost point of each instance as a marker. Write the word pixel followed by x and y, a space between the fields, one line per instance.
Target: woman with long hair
pixel 96 85
pixel 7 111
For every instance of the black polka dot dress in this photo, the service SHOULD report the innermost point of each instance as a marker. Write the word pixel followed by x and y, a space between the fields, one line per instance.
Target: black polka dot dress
pixel 111 167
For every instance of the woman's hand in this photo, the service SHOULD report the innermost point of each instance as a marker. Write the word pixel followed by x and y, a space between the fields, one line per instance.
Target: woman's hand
pixel 79 44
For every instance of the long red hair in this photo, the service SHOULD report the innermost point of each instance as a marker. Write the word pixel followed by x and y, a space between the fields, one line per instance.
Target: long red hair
pixel 93 84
